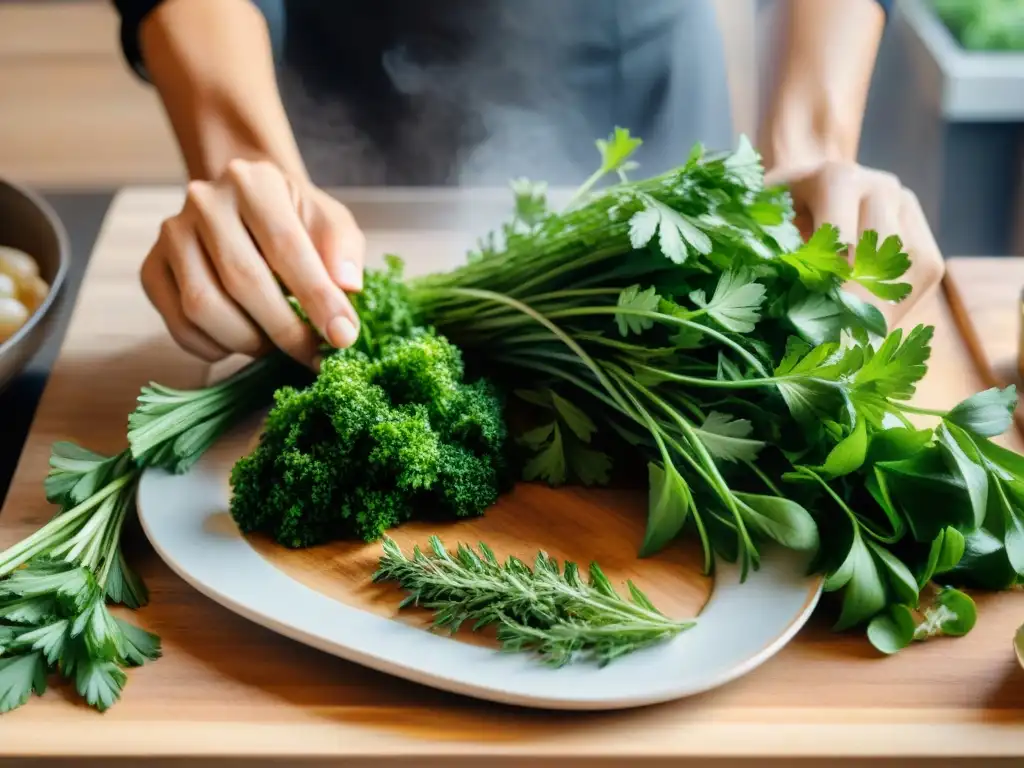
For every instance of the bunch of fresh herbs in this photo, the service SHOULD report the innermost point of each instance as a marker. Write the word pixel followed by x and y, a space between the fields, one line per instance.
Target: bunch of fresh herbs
pixel 683 319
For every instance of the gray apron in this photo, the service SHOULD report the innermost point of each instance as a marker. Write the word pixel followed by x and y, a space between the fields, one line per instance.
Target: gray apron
pixel 475 92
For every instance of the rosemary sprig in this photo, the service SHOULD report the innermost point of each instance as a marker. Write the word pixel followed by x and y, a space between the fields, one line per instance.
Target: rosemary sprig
pixel 545 610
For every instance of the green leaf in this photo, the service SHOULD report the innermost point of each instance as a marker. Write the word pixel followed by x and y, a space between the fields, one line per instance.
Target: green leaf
pixel 818 262
pixel 744 165
pixel 816 317
pixel 549 463
pixel 736 302
pixel 727 438
pixel 965 613
pixel 928 493
pixel 862 584
pixel 894 369
pixel 31 610
pixel 539 397
pixel 893 630
pixel 537 437
pixel 139 646
pixel 677 234
pixel 944 555
pixel 100 633
pixel 867 315
pixel 779 519
pixel 19 677
pixel 972 475
pixel 876 267
pixel 984 563
pixel 988 413
pixel 669 502
pixel 896 443
pixel 951 552
pixel 617 149
pixel 99 682
pixel 590 467
pixel 50 639
pixel 575 419
pixel 531 203
pixel 634 299
pixel 900 579
pixel 848 455
pixel 124 586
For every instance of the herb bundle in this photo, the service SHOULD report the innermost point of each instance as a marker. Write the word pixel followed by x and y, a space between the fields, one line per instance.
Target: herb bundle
pixel 548 610
pixel 683 319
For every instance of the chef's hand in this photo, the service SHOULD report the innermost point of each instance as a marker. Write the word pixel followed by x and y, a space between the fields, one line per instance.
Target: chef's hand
pixel 854 199
pixel 212 273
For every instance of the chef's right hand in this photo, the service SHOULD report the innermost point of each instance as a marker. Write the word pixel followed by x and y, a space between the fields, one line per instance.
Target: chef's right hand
pixel 212 273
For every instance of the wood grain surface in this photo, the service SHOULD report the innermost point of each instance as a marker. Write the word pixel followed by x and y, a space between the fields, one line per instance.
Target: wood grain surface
pixel 226 687
pixel 985 297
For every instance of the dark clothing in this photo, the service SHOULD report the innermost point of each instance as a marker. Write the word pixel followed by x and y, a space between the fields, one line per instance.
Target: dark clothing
pixel 409 92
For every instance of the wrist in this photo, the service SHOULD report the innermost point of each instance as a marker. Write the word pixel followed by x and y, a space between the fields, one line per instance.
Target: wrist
pixel 807 129
pixel 225 132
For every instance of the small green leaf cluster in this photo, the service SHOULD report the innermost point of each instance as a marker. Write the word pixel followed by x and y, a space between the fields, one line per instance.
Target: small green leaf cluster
pixel 373 441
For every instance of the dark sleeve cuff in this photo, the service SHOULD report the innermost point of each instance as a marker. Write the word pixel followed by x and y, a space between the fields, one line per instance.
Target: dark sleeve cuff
pixel 132 13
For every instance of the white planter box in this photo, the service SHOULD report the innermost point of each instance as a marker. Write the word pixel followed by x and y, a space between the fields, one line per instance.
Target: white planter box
pixel 950 123
pixel 968 86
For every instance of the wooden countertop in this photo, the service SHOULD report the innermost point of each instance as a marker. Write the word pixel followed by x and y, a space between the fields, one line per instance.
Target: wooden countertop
pixel 226 687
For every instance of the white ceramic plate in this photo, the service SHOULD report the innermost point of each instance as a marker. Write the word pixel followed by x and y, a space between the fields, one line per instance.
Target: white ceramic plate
pixel 740 627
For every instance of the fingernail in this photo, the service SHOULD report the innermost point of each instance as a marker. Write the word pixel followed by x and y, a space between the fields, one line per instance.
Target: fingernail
pixel 351 276
pixel 341 332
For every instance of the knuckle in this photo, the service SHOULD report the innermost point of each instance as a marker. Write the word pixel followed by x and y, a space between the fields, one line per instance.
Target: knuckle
pixel 237 167
pixel 196 299
pixel 239 273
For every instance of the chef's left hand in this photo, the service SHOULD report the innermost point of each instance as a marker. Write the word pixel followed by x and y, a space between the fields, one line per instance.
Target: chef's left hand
pixel 854 199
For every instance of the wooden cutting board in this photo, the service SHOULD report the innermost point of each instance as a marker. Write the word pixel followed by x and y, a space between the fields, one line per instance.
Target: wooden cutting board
pixel 228 688
pixel 985 297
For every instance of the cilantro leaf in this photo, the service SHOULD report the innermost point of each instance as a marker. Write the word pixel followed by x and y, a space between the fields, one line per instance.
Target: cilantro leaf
pixel 669 503
pixel 735 303
pixel 589 466
pixel 99 682
pixel 894 369
pixel 29 610
pixel 635 299
pixel 818 262
pixel 140 646
pixel 124 585
pixel 101 634
pixel 616 149
pixel 549 463
pixel 744 165
pixel 50 639
pixel 727 438
pixel 676 232
pixel 531 205
pixel 537 437
pixel 816 317
pixel 19 677
pixel 575 419
pixel 876 267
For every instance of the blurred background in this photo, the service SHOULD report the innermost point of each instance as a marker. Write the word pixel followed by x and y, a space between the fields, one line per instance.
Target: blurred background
pixel 946 114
